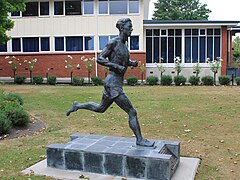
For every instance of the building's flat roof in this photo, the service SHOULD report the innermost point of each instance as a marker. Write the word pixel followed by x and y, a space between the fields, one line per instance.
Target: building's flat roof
pixel 190 23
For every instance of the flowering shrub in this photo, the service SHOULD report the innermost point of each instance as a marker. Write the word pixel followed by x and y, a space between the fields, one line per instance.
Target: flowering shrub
pixel 214 66
pixel 178 65
pixel 142 68
pixel 161 68
pixel 197 68
pixel 30 66
pixel 70 66
pixel 14 64
pixel 89 62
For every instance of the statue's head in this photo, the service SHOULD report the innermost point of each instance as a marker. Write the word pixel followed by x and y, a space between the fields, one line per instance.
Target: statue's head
pixel 125 25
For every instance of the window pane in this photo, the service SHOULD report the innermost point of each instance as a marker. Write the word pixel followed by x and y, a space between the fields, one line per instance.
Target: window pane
pixel 133 6
pixel 164 32
pixel 59 43
pixel 113 36
pixel 194 50
pixel 89 43
pixel 58 8
pixel 88 6
pixel 73 8
pixel 149 32
pixel 103 7
pixel 209 31
pixel 156 50
pixel 103 40
pixel 171 32
pixel 195 32
pixel 44 8
pixel 188 50
pixel 202 49
pixel 178 32
pixel 216 47
pixel 178 46
pixel 217 32
pixel 202 32
pixel 164 49
pixel 15 13
pixel 3 48
pixel 170 49
pixel 74 43
pixel 156 32
pixel 45 45
pixel 31 9
pixel 31 44
pixel 149 50
pixel 187 31
pixel 16 44
pixel 210 48
pixel 134 43
pixel 118 7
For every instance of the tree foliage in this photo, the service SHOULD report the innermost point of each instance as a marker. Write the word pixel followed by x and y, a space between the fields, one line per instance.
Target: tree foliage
pixel 236 48
pixel 6 24
pixel 180 10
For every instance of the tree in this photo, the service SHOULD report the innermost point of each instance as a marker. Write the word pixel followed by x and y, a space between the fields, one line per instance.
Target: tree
pixel 180 10
pixel 6 24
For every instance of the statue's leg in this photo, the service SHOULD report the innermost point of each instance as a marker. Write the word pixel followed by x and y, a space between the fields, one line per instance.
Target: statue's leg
pixel 124 103
pixel 92 106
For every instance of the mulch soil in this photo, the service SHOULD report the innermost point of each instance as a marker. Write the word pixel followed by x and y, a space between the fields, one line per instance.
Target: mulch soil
pixel 34 127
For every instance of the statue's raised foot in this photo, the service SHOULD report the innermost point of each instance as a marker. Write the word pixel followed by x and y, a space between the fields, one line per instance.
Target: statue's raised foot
pixel 72 109
pixel 145 143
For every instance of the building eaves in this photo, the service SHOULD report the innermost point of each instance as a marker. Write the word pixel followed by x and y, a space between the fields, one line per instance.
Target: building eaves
pixel 229 24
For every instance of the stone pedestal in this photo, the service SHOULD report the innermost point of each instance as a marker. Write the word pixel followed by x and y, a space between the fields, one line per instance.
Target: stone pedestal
pixel 118 156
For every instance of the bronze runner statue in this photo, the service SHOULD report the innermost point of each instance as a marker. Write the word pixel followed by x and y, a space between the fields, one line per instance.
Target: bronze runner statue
pixel 116 56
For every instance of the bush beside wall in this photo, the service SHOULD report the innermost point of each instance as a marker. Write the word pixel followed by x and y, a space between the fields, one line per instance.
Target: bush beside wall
pixel 132 80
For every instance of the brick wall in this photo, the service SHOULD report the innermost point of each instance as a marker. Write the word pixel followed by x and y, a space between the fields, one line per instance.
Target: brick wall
pixel 54 64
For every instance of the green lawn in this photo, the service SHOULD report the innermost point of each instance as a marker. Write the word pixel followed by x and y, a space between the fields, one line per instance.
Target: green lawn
pixel 211 113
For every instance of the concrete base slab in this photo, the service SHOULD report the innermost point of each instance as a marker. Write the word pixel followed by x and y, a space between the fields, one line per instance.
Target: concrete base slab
pixel 186 170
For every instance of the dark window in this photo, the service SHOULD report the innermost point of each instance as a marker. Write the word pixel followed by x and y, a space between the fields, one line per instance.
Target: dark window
pixel 217 32
pixel 89 42
pixel 44 8
pixel 118 7
pixel 31 9
pixel 164 49
pixel 171 32
pixel 149 50
pixel 187 31
pixel 59 43
pixel 164 32
pixel 202 49
pixel 156 32
pixel 202 32
pixel 88 6
pixel 133 6
pixel 74 43
pixel 170 49
pixel 194 49
pixel 178 32
pixel 216 47
pixel 149 32
pixel 210 48
pixel 188 50
pixel 209 31
pixel 45 45
pixel 103 7
pixel 134 43
pixel 30 44
pixel 156 54
pixel 3 48
pixel 178 46
pixel 16 44
pixel 103 40
pixel 73 8
pixel 58 7
pixel 15 13
pixel 195 32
